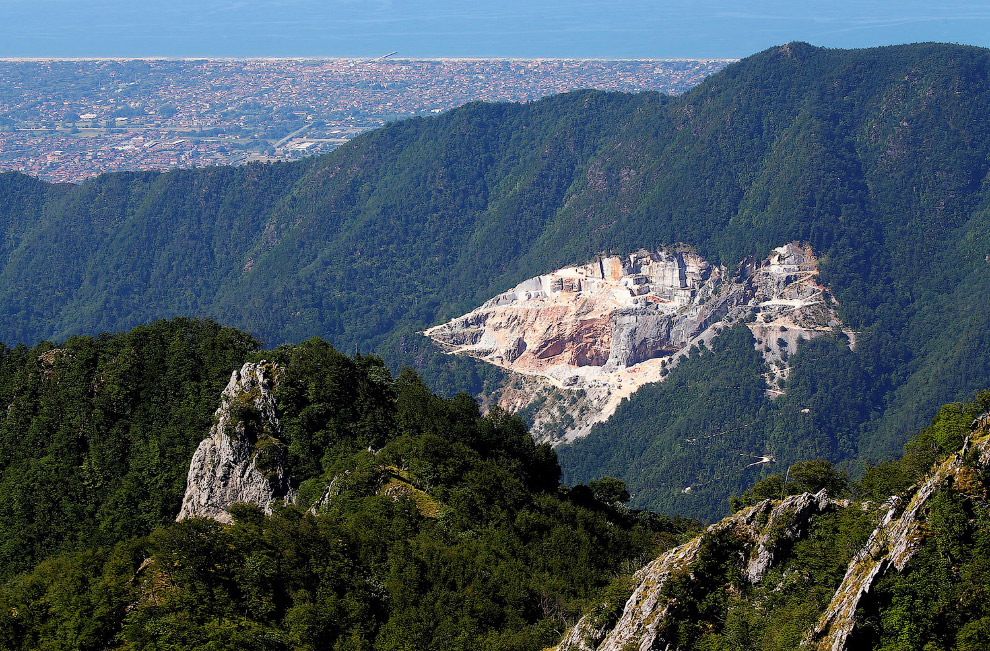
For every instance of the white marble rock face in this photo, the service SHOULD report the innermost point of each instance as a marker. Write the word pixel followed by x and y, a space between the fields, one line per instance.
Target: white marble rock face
pixel 615 324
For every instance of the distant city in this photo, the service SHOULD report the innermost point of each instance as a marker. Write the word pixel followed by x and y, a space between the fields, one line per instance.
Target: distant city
pixel 68 120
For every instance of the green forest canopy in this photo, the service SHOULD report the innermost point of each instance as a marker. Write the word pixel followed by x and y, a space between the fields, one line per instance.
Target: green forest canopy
pixel 480 547
pixel 447 529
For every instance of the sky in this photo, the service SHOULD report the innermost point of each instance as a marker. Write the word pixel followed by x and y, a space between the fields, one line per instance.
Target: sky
pixel 461 28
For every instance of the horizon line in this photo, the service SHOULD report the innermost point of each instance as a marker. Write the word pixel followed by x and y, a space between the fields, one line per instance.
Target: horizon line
pixel 356 59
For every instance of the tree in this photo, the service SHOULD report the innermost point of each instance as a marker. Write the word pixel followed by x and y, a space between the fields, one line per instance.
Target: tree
pixel 812 476
pixel 610 490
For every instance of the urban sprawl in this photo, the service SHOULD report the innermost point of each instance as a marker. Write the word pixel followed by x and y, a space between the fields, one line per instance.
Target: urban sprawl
pixel 67 120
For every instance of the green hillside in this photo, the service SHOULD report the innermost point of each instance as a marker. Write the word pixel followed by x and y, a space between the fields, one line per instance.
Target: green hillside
pixel 98 433
pixel 446 530
pixel 878 158
pixel 897 560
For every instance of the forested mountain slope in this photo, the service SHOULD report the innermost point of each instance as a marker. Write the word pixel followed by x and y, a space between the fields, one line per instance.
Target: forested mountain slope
pixel 417 522
pixel 903 565
pixel 97 433
pixel 876 158
pixel 444 529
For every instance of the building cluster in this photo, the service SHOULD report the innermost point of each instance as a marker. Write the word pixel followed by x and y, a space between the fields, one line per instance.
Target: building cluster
pixel 66 120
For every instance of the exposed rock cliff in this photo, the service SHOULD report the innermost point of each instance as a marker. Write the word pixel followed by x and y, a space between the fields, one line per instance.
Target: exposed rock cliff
pixel 606 328
pixel 610 314
pixel 755 536
pixel 242 459
pixel 586 635
pixel 758 540
pixel 892 544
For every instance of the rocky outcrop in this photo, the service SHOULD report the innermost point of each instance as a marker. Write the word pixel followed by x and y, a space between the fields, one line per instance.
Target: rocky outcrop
pixel 758 535
pixel 786 523
pixel 242 459
pixel 641 622
pixel 608 327
pixel 759 538
pixel 585 636
pixel 891 546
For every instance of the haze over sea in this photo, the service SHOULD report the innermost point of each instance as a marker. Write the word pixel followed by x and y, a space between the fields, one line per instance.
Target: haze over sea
pixel 434 28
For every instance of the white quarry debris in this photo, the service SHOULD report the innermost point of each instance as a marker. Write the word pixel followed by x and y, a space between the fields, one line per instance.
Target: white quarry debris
pixel 790 306
pixel 583 338
pixel 225 468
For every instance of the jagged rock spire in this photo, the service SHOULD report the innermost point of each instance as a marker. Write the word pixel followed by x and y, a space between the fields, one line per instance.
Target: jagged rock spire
pixel 242 460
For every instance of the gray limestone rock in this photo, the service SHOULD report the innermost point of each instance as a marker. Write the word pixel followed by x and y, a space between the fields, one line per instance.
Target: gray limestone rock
pixel 585 636
pixel 760 537
pixel 759 531
pixel 890 547
pixel 242 459
pixel 787 521
pixel 638 333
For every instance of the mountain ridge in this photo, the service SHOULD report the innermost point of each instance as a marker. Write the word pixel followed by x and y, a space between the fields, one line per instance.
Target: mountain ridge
pixel 418 521
pixel 686 597
pixel 877 158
